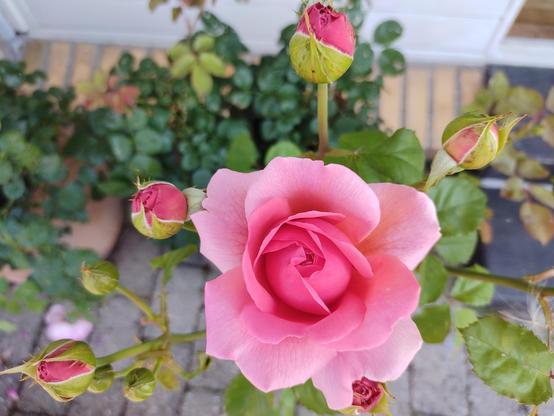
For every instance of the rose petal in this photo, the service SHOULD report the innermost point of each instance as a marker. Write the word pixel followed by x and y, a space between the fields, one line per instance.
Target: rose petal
pixel 224 299
pixel 409 226
pixel 310 185
pixel 267 366
pixel 222 227
pixel 390 295
pixel 289 363
pixel 384 363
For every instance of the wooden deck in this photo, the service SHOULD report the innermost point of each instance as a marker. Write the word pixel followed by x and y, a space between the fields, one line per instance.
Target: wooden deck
pixel 425 99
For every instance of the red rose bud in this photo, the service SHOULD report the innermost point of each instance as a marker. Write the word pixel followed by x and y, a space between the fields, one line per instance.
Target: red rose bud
pixel 322 48
pixel 471 141
pixel 64 369
pixel 367 393
pixel 159 210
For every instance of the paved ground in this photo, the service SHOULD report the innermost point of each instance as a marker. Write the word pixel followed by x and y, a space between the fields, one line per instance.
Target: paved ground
pixel 439 382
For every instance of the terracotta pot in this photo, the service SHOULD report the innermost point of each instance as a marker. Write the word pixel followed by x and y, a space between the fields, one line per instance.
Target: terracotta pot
pixel 101 231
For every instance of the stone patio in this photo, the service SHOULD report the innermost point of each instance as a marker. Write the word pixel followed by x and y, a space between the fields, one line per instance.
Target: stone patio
pixel 438 383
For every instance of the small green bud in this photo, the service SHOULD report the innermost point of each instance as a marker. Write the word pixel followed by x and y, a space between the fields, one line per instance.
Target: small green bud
pixel 102 380
pixel 203 43
pixel 100 278
pixel 139 384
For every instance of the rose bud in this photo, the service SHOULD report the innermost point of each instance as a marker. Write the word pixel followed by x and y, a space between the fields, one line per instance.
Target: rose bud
pixel 159 210
pixel 322 48
pixel 471 141
pixel 64 369
pixel 100 278
pixel 367 397
pixel 102 380
pixel 139 384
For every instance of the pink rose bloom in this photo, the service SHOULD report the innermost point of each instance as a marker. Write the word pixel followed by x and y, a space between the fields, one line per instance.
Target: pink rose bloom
pixel 317 279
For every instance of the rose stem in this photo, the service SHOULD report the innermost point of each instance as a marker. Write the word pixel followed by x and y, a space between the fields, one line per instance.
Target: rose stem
pixel 505 281
pixel 322 115
pixel 147 346
pixel 138 302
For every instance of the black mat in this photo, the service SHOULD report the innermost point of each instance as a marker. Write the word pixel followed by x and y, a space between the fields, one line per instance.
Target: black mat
pixel 513 252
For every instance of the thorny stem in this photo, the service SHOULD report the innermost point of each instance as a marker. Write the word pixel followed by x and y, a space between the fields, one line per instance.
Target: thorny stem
pixel 147 346
pixel 505 281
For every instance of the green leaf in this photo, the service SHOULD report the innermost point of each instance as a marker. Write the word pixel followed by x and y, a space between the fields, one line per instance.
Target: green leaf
pixel 499 85
pixel 178 50
pixel 433 321
pixel 392 62
pixel 282 148
pixel 464 317
pixel 312 399
pixel 203 43
pixel 152 4
pixel 120 188
pixel 243 78
pixel 243 153
pixel 213 64
pixel 182 66
pixel 137 120
pixel 243 399
pixel 202 82
pixel 543 195
pixel 7 326
pixel 473 292
pixel 150 142
pixel 460 205
pixel 122 147
pixel 387 32
pixel 363 60
pixel 14 189
pixel 548 125
pixel 538 221
pixel 287 403
pixel 6 171
pixel 457 249
pixel 168 261
pixel 378 158
pixel 521 100
pixel 432 278
pixel 143 165
pixel 51 168
pixel 510 359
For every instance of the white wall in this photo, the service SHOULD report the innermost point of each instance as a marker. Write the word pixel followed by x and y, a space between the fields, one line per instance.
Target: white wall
pixel 468 31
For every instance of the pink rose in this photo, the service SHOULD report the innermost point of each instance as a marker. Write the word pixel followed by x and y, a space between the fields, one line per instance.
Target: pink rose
pixel 316 276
